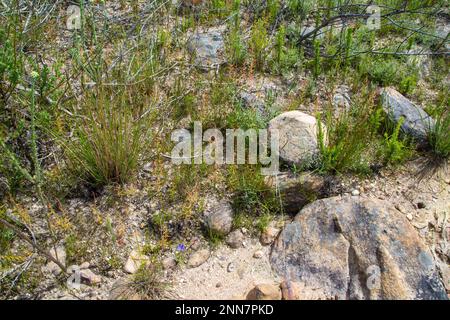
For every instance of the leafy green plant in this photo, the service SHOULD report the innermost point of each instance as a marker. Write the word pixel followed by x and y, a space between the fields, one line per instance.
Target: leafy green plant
pixel 395 149
pixel 272 9
pixel 11 64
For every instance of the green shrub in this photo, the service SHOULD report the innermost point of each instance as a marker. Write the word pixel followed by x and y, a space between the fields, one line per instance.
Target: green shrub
pixel 395 150
pixel 236 48
pixel 351 138
pixel 259 42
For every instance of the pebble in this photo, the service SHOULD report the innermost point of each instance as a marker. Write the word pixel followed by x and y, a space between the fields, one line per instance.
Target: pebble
pixel 258 254
pixel 198 258
pixel 355 193
pixel 231 267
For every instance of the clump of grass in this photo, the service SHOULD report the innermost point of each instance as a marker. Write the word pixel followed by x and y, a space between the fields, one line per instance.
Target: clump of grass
pixel 148 283
pixel 252 197
pixel 145 284
pixel 439 135
pixel 109 139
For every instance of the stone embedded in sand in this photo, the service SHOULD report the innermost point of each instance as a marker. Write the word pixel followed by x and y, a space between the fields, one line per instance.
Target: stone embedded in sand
pixel 290 290
pixel 264 292
pixel 296 191
pixel 298 133
pixel 89 277
pixel 268 235
pixel 169 263
pixel 219 217
pixel 235 239
pixel 59 253
pixel 135 261
pixel 198 258
pixel 356 248
pixel 258 254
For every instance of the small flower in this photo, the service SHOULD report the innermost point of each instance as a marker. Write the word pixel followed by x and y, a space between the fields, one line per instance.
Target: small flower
pixel 181 247
pixel 34 74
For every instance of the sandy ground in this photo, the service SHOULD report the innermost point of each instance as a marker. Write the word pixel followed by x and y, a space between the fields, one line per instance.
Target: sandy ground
pixel 216 279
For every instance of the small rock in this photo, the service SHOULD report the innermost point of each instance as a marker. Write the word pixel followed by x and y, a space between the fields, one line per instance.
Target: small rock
pixel 268 235
pixel 298 134
pixel 219 217
pixel 198 258
pixel 169 263
pixel 264 292
pixel 297 190
pixel 258 254
pixel 60 255
pixel 231 267
pixel 341 99
pixel 416 121
pixel 400 208
pixel 218 284
pixel 241 272
pixel 235 239
pixel 355 193
pixel 195 244
pixel 290 290
pixel 148 167
pixel 135 261
pixel 445 273
pixel 409 216
pixel 73 268
pixel 250 101
pixel 207 49
pixel 89 277
pixel 85 265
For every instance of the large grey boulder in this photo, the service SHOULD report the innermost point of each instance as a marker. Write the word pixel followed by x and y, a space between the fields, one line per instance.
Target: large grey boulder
pixel 207 49
pixel 417 122
pixel 356 248
pixel 298 133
